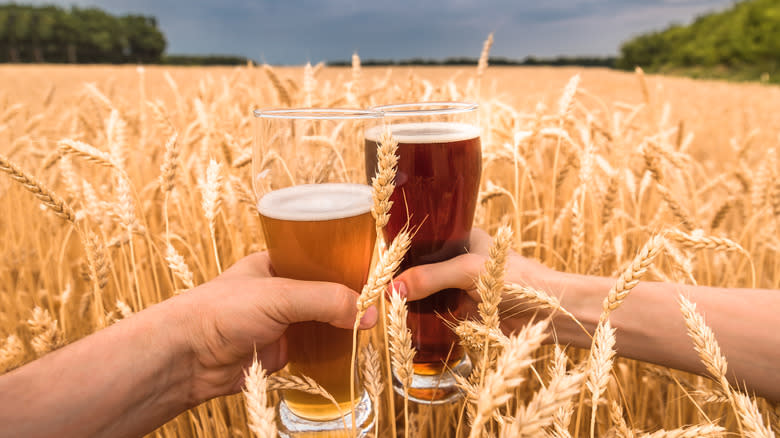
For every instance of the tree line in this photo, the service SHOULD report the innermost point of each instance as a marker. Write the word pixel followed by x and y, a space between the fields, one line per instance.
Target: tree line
pixel 585 61
pixel 742 41
pixel 83 35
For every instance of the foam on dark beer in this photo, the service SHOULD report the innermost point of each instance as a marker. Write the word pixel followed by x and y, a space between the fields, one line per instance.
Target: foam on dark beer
pixel 429 132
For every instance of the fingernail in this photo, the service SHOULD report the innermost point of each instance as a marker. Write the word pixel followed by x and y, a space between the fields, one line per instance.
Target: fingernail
pixel 400 287
pixel 369 318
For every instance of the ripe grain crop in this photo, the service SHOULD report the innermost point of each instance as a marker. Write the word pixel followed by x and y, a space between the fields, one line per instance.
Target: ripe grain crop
pixel 130 186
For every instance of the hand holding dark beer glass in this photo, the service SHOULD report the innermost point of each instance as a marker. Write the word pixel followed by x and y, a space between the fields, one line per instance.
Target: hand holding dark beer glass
pixel 437 184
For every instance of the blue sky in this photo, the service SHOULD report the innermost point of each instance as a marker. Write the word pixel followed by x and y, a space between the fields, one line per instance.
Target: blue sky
pixel 296 31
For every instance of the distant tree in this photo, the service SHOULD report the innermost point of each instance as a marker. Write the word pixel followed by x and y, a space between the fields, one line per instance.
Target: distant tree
pixel 743 40
pixel 53 34
pixel 145 43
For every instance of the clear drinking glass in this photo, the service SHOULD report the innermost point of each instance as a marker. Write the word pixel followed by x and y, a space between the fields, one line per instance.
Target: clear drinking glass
pixel 317 226
pixel 437 184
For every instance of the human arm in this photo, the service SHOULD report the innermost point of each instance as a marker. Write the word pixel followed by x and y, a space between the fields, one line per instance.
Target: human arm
pixel 650 326
pixel 133 376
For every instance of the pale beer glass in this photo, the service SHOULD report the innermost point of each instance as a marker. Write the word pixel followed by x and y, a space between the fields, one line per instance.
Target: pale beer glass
pixel 318 226
pixel 437 184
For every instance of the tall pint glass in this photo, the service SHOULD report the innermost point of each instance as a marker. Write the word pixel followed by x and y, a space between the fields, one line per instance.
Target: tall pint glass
pixel 437 184
pixel 318 227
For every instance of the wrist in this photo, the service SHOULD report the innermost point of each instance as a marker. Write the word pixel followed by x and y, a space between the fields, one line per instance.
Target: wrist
pixel 177 325
pixel 581 296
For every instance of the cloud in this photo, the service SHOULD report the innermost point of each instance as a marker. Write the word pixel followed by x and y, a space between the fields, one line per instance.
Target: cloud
pixel 296 31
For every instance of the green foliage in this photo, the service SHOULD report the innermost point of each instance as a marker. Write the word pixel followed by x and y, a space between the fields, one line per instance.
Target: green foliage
pixel 204 60
pixel 742 42
pixel 86 35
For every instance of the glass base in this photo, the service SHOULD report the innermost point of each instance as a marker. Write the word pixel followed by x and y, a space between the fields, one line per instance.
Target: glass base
pixel 436 389
pixel 291 425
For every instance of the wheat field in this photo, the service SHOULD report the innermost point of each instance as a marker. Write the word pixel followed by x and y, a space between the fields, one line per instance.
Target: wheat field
pixel 587 170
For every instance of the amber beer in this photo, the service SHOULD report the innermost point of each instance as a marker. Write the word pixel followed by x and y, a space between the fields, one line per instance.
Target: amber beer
pixel 320 232
pixel 439 167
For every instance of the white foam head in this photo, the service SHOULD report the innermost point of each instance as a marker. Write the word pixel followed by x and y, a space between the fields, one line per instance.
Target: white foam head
pixel 316 202
pixel 427 132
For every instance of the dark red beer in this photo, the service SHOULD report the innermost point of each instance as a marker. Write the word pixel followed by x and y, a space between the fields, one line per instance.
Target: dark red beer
pixel 437 185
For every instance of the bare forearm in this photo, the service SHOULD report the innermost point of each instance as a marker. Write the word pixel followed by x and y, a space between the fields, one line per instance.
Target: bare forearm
pixel 120 382
pixel 650 326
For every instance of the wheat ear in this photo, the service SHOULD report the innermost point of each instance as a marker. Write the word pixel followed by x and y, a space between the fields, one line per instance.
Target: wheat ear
pixel 179 266
pixel 709 351
pixel 383 273
pixel 629 278
pixel 46 334
pixel 372 375
pixel 85 151
pixel 49 198
pixel 473 335
pixel 401 350
pixel 531 419
pixel 383 184
pixel 305 384
pixel 699 431
pixel 697 240
pixel 499 383
pixel 11 353
pixel 210 190
pixel 619 427
pixel 541 298
pixel 261 416
pixel 490 283
pixel 490 286
pixel 482 64
pixel 384 180
pixel 600 359
pixel 752 421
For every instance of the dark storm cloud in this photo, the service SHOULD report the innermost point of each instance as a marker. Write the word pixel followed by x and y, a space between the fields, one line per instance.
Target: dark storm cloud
pixel 296 31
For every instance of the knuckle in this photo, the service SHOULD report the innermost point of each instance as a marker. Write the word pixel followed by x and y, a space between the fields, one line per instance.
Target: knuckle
pixel 414 278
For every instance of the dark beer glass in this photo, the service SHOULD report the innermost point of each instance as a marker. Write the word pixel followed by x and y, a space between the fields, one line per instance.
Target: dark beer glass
pixel 437 184
pixel 317 226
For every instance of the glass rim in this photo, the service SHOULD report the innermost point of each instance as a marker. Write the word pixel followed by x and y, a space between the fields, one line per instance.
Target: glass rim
pixel 318 113
pixel 418 108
